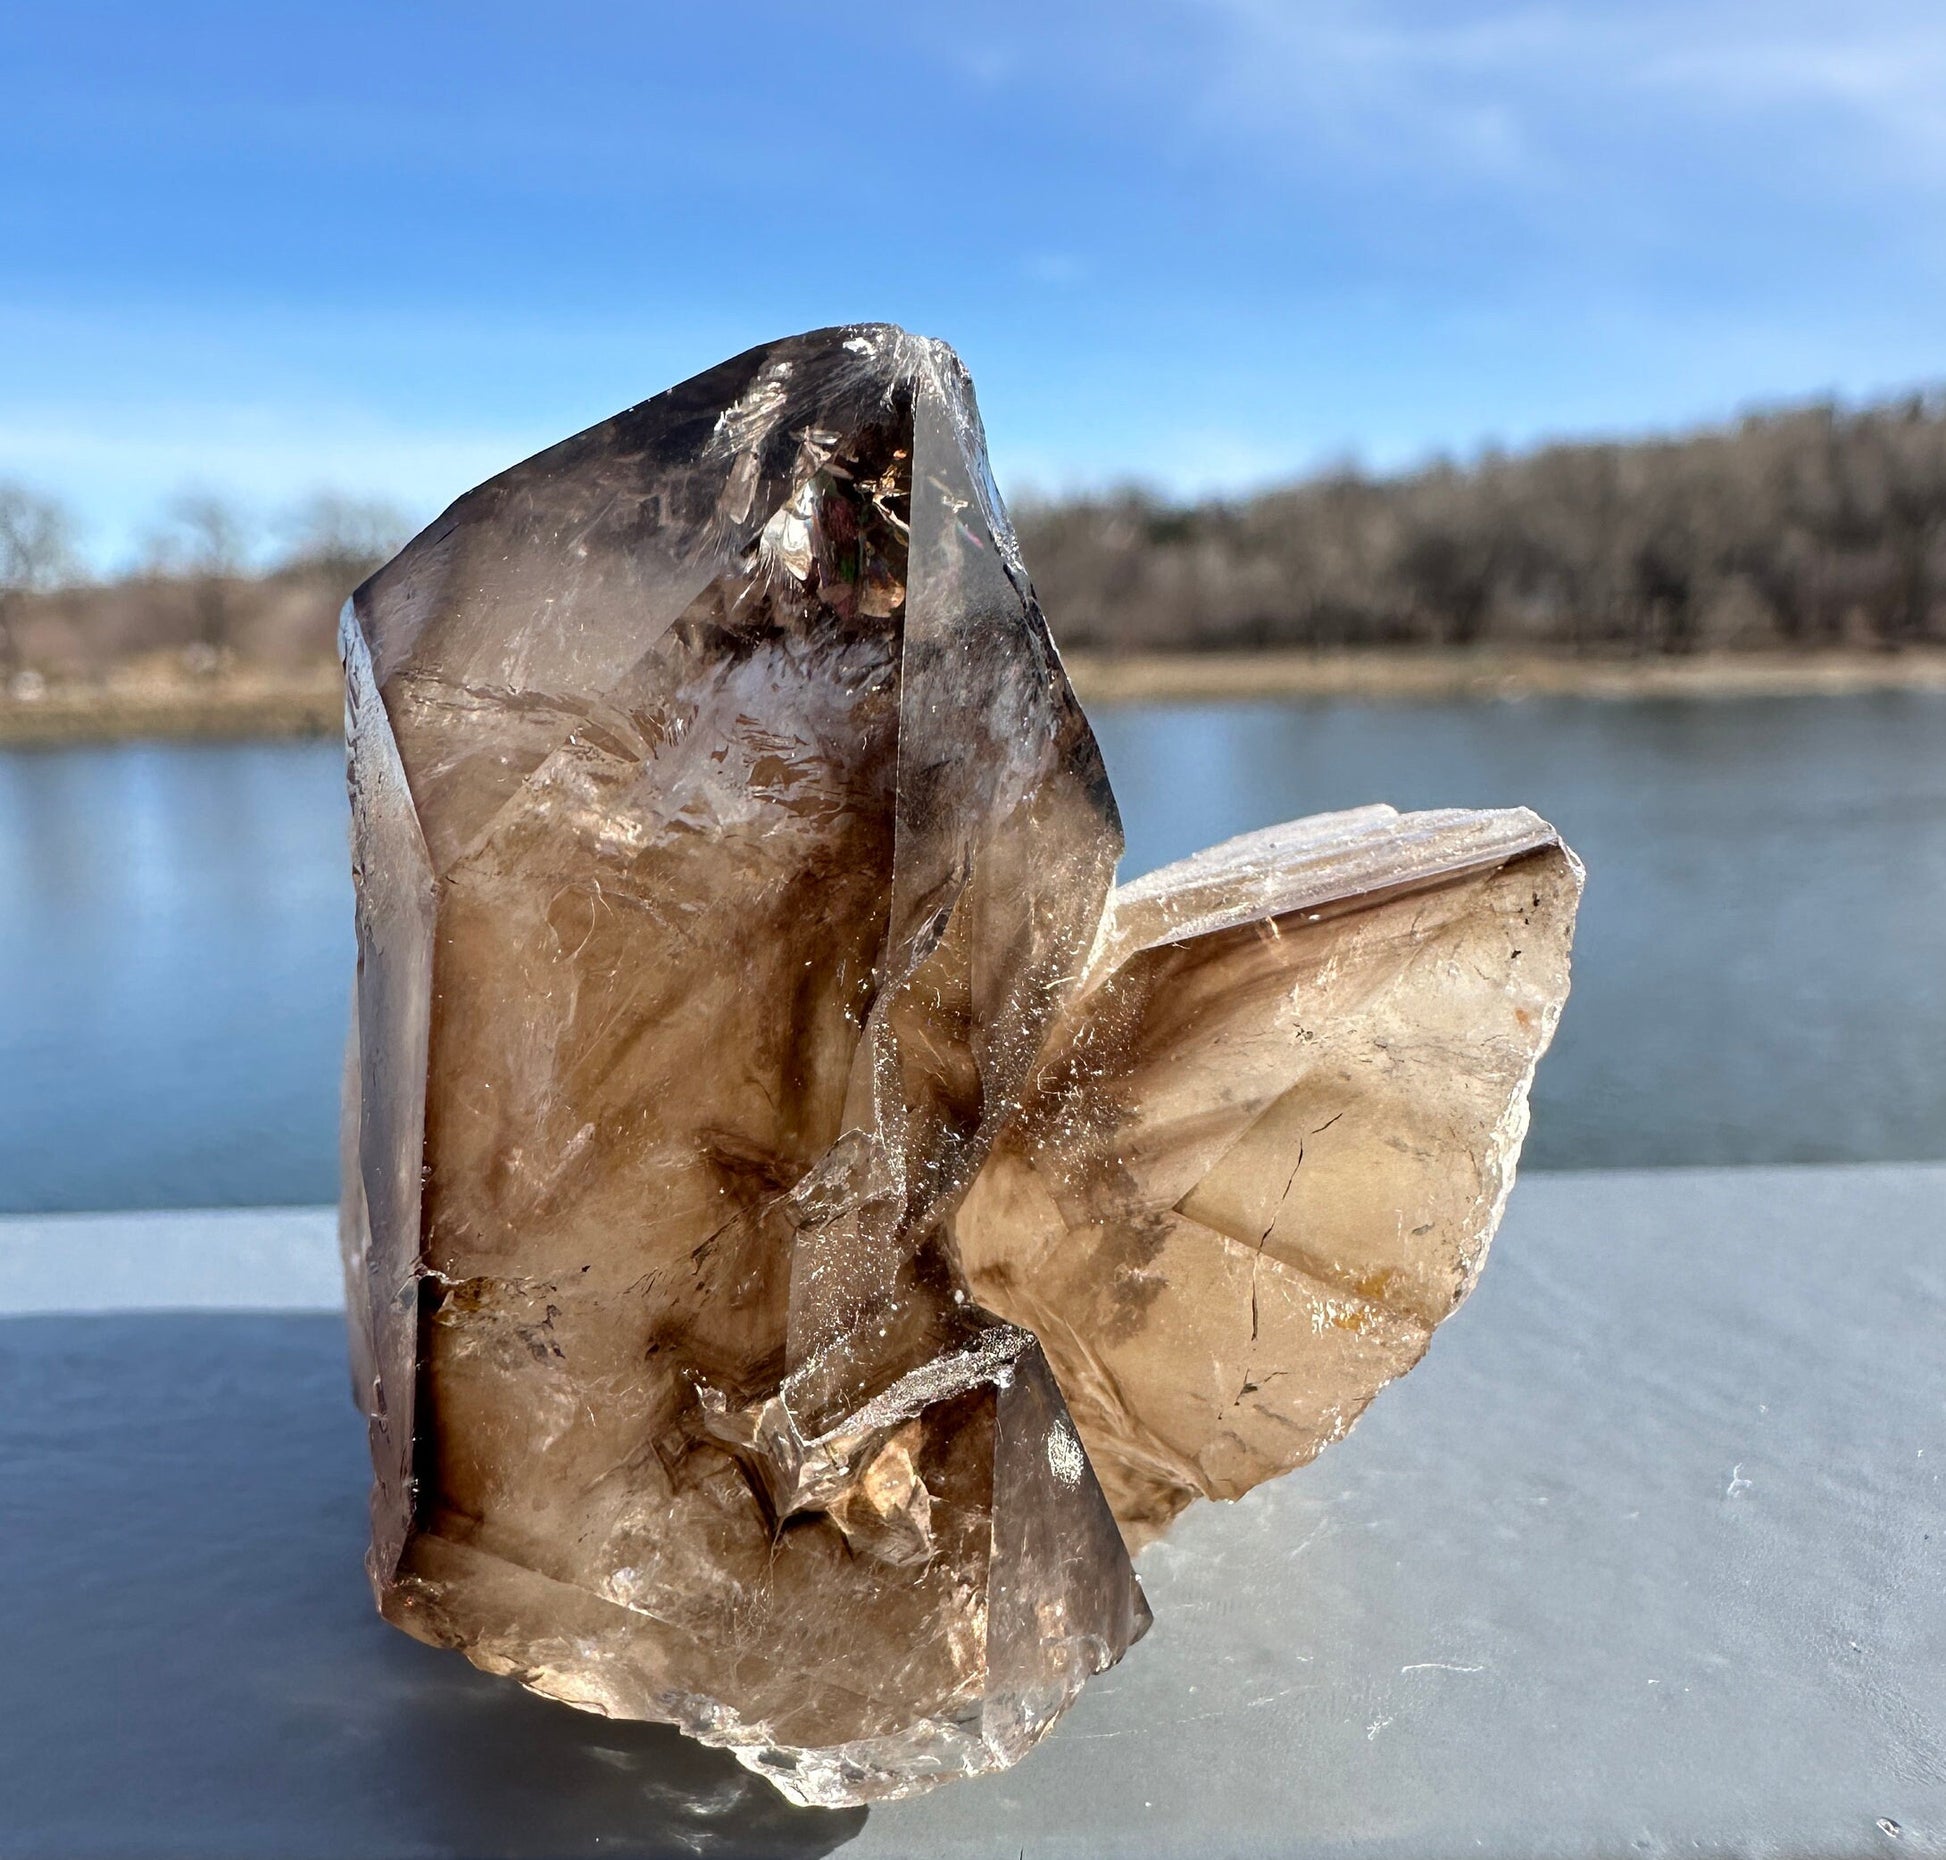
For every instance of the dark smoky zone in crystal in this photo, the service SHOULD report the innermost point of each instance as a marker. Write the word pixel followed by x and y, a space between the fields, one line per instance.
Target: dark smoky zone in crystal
pixel 830 564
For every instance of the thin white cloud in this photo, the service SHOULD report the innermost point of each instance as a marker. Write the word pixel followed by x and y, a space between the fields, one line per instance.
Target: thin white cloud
pixel 1887 85
pixel 1498 93
pixel 1055 268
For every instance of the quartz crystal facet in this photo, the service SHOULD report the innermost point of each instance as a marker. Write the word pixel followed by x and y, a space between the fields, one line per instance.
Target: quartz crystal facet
pixel 803 1224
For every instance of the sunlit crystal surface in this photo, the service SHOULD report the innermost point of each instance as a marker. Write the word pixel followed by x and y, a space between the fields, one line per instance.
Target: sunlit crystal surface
pixel 802 1223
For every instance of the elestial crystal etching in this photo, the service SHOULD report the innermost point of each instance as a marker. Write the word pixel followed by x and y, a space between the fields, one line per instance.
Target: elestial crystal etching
pixel 805 1225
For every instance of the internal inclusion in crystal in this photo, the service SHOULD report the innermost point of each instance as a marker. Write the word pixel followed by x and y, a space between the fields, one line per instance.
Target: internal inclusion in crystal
pixel 804 1224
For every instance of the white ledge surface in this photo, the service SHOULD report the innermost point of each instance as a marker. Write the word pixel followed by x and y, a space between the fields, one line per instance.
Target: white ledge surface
pixel 1648 1557
pixel 214 1259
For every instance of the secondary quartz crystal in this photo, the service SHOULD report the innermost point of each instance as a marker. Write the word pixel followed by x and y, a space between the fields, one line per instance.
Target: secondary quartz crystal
pixel 804 1225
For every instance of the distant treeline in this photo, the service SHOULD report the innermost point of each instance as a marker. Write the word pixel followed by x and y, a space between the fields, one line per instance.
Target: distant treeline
pixel 1806 529
pixel 1803 529
pixel 211 588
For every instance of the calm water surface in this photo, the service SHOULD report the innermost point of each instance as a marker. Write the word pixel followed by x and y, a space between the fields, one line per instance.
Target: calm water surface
pixel 1760 977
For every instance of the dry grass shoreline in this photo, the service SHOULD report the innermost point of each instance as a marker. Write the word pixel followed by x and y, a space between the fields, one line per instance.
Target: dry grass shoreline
pixel 1402 675
pixel 245 704
pixel 235 705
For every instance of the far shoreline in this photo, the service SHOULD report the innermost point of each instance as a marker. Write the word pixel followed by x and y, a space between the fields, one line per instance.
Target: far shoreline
pixel 1406 676
pixel 254 704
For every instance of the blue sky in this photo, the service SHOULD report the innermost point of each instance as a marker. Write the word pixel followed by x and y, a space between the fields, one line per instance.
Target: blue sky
pixel 271 248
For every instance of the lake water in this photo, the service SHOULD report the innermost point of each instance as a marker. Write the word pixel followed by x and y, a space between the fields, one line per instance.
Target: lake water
pixel 1760 976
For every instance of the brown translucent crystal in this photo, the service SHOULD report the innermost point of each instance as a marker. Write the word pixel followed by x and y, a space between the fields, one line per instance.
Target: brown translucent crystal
pixel 802 1224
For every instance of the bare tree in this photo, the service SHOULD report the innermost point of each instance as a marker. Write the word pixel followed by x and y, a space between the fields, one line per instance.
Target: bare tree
pixel 36 553
pixel 344 537
pixel 207 543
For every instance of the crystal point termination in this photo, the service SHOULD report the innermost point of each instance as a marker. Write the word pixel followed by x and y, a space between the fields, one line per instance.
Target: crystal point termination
pixel 802 1222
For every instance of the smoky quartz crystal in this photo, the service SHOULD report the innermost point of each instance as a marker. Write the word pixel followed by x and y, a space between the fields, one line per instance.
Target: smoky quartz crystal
pixel 804 1224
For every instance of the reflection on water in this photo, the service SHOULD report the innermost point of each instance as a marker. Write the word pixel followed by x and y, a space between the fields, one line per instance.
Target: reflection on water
pixel 175 937
pixel 1760 974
